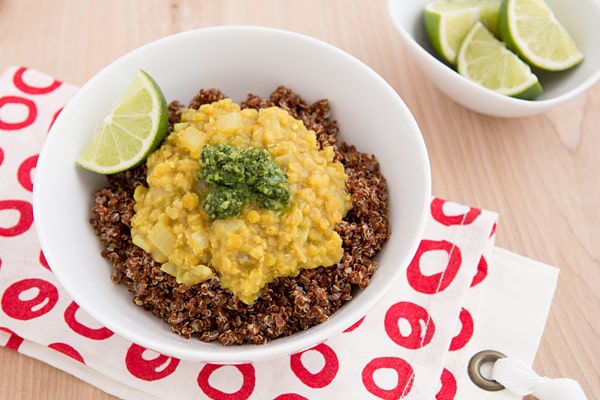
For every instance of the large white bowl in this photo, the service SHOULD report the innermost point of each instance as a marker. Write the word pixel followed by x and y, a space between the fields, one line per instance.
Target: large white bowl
pixel 580 17
pixel 238 60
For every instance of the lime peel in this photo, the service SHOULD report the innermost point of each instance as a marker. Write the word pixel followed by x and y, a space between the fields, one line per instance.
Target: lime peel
pixel 132 130
pixel 486 60
pixel 532 30
pixel 447 22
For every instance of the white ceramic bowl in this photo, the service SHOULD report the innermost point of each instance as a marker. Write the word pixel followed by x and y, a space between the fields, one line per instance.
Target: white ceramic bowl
pixel 238 60
pixel 580 17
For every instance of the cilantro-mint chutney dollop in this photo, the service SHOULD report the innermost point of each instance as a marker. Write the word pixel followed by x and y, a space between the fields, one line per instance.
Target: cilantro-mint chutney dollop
pixel 236 177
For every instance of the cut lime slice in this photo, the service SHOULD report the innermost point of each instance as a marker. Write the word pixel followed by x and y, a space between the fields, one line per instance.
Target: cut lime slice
pixel 531 29
pixel 131 131
pixel 447 22
pixel 486 60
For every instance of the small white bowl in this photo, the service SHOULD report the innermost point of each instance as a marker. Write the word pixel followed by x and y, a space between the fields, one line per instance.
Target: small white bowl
pixel 580 17
pixel 237 60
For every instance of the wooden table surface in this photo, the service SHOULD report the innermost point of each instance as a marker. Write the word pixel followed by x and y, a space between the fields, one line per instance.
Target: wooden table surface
pixel 541 174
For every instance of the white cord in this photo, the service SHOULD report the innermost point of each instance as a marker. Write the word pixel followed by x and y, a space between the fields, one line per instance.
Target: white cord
pixel 521 380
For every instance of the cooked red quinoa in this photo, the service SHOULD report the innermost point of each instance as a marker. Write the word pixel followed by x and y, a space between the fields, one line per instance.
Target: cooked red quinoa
pixel 286 305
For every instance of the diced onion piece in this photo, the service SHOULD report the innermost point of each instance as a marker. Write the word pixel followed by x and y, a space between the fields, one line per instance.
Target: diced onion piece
pixel 141 243
pixel 169 268
pixel 229 122
pixel 197 274
pixel 200 241
pixel 162 238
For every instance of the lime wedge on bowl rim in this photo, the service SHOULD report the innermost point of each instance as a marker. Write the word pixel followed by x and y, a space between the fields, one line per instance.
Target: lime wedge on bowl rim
pixel 134 128
pixel 447 22
pixel 531 29
pixel 486 60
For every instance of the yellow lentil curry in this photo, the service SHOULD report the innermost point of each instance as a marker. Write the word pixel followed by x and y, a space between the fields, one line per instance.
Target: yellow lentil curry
pixel 247 251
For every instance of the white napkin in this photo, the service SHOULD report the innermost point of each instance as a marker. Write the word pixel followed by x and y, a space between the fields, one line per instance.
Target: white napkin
pixel 459 295
pixel 513 314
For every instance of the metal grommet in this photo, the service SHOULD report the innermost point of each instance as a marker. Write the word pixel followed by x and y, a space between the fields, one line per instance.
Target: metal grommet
pixel 483 357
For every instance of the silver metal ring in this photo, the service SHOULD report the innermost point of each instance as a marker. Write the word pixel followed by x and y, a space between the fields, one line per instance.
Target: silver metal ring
pixel 483 357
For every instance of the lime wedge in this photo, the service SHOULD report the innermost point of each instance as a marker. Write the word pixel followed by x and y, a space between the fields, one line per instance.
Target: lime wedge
pixel 531 29
pixel 486 60
pixel 447 22
pixel 133 129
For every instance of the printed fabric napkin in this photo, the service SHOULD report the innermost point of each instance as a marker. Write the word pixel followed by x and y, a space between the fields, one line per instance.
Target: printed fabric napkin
pixel 414 345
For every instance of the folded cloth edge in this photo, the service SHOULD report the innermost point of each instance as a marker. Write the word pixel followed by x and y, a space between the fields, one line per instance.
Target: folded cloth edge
pixel 499 319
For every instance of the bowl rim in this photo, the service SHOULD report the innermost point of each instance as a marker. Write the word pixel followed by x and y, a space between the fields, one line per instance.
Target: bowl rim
pixel 245 353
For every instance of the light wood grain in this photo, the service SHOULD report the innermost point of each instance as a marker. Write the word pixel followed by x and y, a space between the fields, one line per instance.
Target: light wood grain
pixel 541 174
